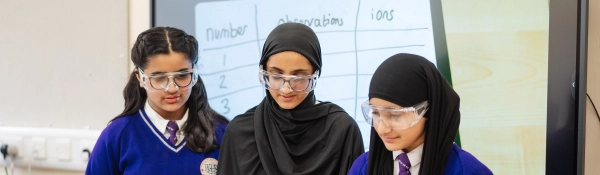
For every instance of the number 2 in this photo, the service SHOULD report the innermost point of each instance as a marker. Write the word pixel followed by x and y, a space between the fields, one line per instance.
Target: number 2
pixel 222 81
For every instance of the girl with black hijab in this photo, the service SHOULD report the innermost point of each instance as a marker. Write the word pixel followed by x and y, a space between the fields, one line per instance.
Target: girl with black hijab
pixel 290 132
pixel 415 117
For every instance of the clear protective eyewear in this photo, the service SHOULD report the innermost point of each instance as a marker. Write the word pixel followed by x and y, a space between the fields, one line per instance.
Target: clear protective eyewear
pixel 394 117
pixel 163 81
pixel 274 81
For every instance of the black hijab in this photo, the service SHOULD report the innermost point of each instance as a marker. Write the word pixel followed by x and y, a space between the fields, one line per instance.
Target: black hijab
pixel 406 80
pixel 313 138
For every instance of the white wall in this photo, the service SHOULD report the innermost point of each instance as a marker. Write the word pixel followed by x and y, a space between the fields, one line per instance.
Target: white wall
pixel 64 64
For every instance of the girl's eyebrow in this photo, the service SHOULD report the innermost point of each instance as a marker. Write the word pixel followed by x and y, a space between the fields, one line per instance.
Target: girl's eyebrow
pixel 159 72
pixel 299 71
pixel 273 68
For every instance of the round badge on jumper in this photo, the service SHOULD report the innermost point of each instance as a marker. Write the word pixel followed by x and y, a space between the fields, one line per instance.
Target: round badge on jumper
pixel 209 166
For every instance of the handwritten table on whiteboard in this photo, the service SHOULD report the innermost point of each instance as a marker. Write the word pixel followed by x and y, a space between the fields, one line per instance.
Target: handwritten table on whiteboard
pixel 355 37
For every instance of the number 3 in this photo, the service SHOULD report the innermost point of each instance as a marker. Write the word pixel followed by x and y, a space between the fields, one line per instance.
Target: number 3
pixel 226 101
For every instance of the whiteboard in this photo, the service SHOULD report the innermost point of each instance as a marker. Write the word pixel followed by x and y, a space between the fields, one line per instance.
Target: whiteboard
pixel 355 36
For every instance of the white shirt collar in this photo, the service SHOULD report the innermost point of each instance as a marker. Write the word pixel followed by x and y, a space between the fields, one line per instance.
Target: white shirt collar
pixel 161 123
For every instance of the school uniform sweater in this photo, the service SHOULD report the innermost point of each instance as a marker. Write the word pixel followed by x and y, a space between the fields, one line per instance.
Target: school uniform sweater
pixel 459 162
pixel 133 145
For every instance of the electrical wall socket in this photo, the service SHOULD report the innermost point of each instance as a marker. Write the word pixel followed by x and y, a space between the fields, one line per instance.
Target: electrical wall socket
pixel 15 141
pixel 38 148
pixel 86 144
pixel 50 148
pixel 63 149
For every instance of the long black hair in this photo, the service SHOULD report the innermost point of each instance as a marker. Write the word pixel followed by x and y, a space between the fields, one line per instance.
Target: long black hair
pixel 202 121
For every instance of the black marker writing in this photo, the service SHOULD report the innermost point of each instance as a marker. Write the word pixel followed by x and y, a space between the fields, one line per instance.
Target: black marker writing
pixel 216 34
pixel 382 15
pixel 327 20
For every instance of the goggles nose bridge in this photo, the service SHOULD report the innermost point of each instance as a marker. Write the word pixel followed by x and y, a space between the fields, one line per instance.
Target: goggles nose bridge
pixel 171 80
pixel 289 84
